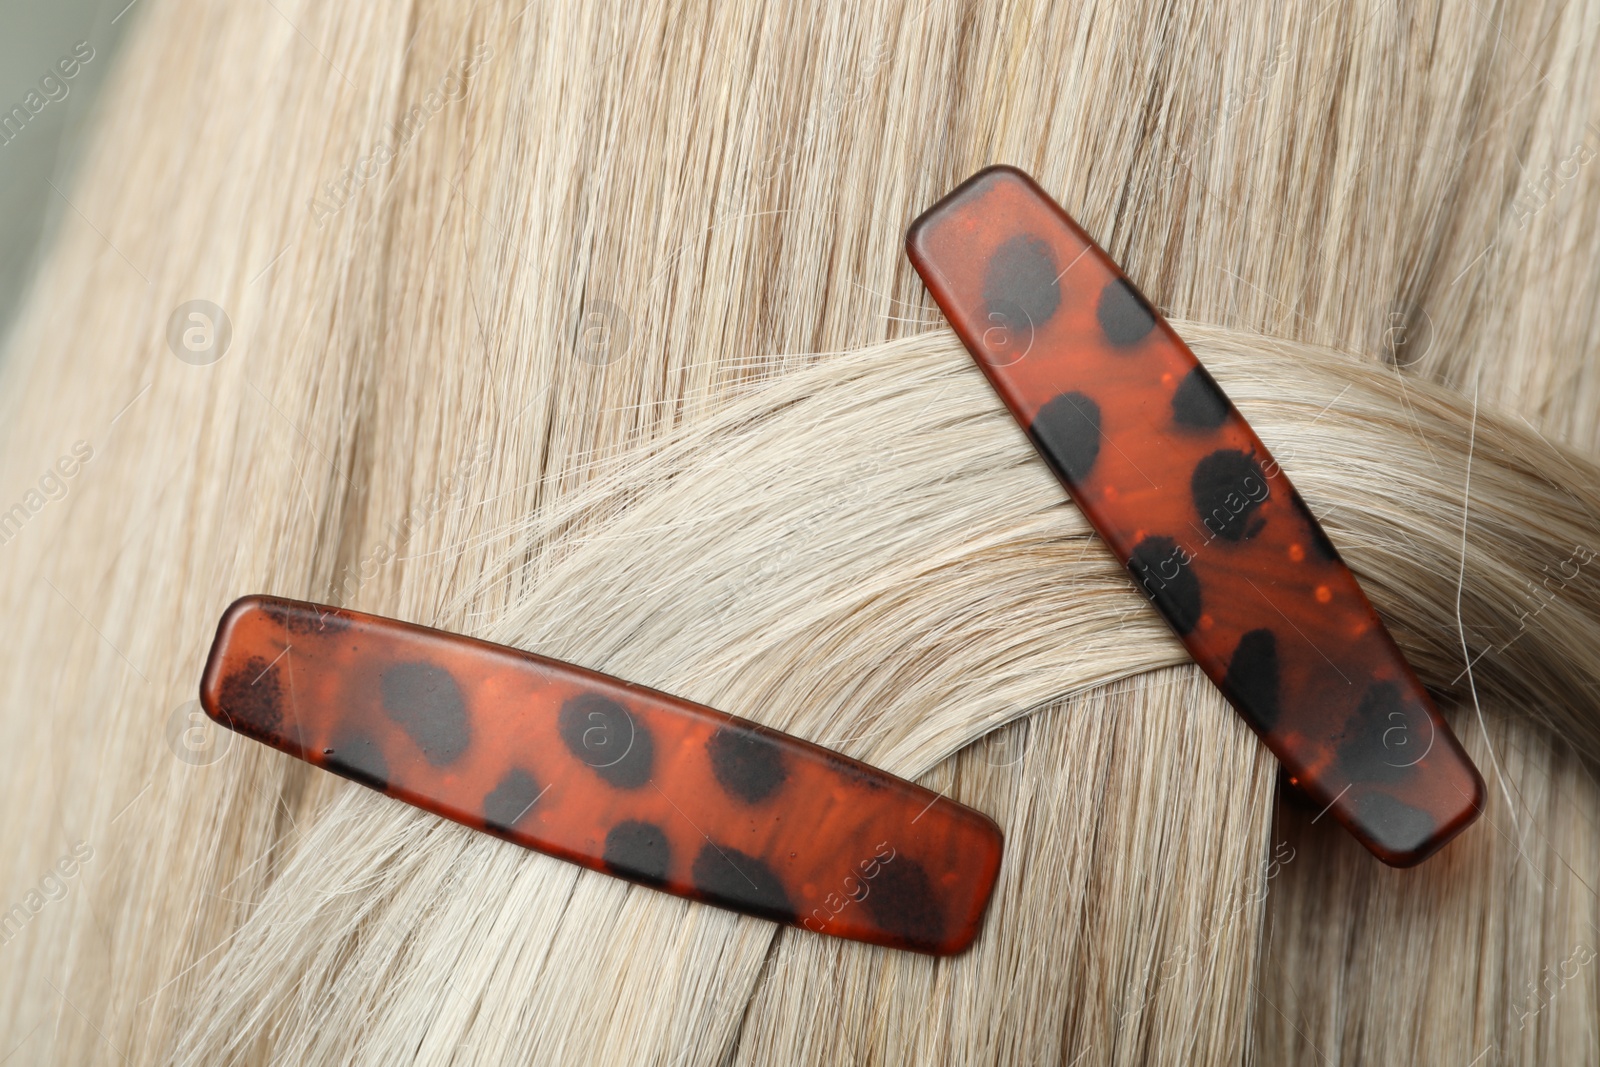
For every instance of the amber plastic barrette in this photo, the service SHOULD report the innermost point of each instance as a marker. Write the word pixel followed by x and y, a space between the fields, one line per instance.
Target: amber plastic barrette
pixel 1189 500
pixel 612 776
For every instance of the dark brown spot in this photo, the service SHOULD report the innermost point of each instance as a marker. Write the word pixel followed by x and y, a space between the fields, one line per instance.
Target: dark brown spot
pixel 1198 403
pixel 639 851
pixel 1386 735
pixel 1393 824
pixel 428 705
pixel 1125 315
pixel 903 904
pixel 1066 431
pixel 1161 568
pixel 1252 679
pixel 509 801
pixel 1228 487
pixel 604 735
pixel 252 699
pixel 359 759
pixel 1020 285
pixel 724 875
pixel 746 762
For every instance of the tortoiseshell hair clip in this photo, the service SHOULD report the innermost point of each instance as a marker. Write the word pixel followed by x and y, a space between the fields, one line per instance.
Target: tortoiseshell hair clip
pixel 1189 500
pixel 614 777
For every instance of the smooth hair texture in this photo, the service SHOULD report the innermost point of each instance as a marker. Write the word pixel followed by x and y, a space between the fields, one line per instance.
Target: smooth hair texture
pixel 616 357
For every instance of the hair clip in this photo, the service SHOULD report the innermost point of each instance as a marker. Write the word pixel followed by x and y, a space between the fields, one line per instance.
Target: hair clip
pixel 611 776
pixel 1188 499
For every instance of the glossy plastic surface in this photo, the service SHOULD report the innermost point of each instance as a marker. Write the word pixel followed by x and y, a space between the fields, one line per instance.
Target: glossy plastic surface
pixel 1190 501
pixel 609 775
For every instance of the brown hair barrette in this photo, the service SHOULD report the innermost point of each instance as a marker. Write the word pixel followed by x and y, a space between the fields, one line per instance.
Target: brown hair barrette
pixel 612 776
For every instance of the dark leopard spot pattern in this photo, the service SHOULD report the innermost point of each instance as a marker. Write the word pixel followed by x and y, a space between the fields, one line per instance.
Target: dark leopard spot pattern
pixel 1228 487
pixel 252 697
pixel 1386 734
pixel 601 733
pixel 567 761
pixel 903 903
pixel 724 875
pixel 1124 314
pixel 640 851
pixel 746 763
pixel 1252 678
pixel 1067 431
pixel 1198 403
pixel 427 703
pixel 1158 568
pixel 1401 827
pixel 509 801
pixel 359 759
pixel 1265 606
pixel 1020 285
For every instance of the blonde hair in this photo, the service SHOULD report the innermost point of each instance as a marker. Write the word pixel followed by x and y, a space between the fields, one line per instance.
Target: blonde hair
pixel 616 356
